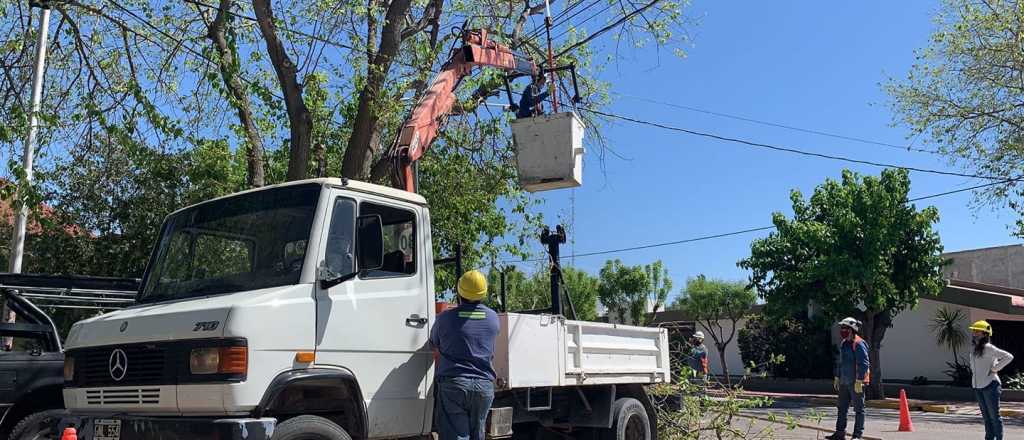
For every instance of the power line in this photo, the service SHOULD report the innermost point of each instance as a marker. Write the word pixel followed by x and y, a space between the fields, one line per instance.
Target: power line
pixel 783 126
pixel 786 149
pixel 607 28
pixel 584 21
pixel 747 231
pixel 561 18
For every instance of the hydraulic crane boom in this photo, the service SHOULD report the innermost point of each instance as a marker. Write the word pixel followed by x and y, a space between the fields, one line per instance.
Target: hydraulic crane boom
pixel 421 128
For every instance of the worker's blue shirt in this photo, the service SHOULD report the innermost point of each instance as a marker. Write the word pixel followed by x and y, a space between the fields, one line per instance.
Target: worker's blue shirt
pixel 853 363
pixel 465 338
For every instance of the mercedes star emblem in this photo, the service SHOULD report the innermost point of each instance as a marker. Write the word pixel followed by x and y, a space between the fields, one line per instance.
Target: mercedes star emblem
pixel 118 364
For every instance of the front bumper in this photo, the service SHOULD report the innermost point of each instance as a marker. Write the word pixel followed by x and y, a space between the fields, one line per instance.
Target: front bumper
pixel 176 428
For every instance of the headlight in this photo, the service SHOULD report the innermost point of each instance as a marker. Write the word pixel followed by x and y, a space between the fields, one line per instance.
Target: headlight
pixel 69 368
pixel 219 360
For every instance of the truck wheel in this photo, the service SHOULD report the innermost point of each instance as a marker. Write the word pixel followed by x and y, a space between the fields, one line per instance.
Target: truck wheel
pixel 309 428
pixel 38 426
pixel 630 421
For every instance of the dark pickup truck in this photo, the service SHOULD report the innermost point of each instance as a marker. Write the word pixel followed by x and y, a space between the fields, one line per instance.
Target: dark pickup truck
pixel 31 355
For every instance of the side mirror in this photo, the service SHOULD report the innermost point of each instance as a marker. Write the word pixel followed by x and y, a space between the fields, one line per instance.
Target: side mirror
pixel 369 242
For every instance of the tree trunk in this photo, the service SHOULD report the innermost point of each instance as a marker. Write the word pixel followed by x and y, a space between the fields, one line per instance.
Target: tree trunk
pixel 874 328
pixel 725 367
pixel 360 150
pixel 237 94
pixel 299 119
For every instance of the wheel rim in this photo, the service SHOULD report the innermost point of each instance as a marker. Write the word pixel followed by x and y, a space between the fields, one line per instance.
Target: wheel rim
pixel 635 429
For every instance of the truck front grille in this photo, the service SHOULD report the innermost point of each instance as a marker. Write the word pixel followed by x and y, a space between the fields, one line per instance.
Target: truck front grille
pixel 143 365
pixel 123 396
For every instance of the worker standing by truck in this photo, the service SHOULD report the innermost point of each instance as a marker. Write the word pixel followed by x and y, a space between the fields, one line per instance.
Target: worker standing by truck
pixel 465 337
pixel 697 360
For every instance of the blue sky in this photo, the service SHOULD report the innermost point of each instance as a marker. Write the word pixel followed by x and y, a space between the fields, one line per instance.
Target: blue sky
pixel 816 65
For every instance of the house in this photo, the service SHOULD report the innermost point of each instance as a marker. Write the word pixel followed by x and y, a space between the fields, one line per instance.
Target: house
pixel 983 283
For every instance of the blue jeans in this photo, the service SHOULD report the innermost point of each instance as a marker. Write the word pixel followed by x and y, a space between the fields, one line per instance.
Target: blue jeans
pixel 463 407
pixel 846 395
pixel 988 400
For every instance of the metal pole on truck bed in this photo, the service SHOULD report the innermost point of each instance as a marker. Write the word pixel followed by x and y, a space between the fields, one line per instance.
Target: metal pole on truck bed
pixel 553 241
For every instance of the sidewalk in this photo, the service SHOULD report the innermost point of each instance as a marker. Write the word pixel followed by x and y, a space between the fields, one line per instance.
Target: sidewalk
pixel 1008 409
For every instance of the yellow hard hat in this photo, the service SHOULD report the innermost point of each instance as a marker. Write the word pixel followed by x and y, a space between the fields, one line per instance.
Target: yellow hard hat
pixel 982 326
pixel 473 285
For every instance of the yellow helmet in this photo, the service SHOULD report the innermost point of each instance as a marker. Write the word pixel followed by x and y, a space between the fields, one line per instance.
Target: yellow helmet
pixel 473 285
pixel 982 326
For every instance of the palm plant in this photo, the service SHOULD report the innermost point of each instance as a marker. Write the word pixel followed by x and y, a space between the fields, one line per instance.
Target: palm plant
pixel 948 327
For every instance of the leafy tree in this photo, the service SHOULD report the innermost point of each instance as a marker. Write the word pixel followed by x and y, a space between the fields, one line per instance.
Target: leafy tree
pixel 623 290
pixel 534 292
pixel 660 284
pixel 804 345
pixel 856 247
pixel 964 93
pixel 711 301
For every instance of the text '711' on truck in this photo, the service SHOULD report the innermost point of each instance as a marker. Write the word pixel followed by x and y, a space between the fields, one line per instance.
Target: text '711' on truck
pixel 303 310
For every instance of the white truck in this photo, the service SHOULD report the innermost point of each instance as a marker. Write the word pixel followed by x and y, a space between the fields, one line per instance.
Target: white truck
pixel 302 311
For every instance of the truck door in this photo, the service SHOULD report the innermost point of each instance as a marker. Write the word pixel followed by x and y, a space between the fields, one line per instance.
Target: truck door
pixel 376 323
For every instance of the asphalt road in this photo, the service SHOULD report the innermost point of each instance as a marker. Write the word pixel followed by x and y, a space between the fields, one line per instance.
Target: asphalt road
pixel 881 423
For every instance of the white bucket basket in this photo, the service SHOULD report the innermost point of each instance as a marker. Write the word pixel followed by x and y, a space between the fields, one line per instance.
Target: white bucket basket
pixel 549 151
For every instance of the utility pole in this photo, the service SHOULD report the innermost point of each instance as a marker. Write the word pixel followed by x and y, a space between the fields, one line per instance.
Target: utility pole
pixel 21 215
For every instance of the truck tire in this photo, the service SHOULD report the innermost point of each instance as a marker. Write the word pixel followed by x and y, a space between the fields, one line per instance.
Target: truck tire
pixel 629 421
pixel 309 428
pixel 38 426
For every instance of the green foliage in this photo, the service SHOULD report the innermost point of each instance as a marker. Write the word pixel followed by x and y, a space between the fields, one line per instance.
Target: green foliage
pixel 623 291
pixel 1015 382
pixel 534 292
pixel 857 247
pixel 963 93
pixel 948 326
pixel 711 301
pixel 806 346
pixel 660 284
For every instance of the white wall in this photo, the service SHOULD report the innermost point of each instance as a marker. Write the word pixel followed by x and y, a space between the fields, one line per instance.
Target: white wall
pixel 732 351
pixel 909 348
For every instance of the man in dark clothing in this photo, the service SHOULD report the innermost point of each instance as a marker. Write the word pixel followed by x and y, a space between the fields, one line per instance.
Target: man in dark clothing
pixel 533 94
pixel 698 357
pixel 465 337
pixel 852 372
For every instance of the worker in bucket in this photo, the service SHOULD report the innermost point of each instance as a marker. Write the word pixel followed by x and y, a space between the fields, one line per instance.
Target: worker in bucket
pixel 533 95
pixel 986 361
pixel 852 372
pixel 465 338
pixel 697 360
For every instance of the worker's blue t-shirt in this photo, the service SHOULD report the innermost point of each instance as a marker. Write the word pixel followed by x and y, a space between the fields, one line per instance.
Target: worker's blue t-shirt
pixel 465 338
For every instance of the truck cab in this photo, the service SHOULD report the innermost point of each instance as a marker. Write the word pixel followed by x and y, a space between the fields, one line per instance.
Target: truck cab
pixel 303 310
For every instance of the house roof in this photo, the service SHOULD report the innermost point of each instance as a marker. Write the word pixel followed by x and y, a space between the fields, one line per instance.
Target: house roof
pixel 989 297
pixel 667 317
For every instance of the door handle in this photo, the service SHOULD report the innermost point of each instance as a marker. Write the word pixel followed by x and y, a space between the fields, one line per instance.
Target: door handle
pixel 415 320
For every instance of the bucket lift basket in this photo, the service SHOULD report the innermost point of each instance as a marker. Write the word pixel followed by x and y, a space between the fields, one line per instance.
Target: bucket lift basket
pixel 549 151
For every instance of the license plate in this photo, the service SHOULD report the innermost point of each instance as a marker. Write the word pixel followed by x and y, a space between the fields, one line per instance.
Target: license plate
pixel 106 430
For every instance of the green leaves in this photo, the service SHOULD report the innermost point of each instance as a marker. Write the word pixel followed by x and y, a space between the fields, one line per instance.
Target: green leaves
pixel 964 93
pixel 623 291
pixel 855 241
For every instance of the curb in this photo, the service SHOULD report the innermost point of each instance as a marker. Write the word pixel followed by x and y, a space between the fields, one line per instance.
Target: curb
pixel 885 404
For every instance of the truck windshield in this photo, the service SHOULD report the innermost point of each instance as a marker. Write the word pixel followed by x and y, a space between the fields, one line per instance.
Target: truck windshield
pixel 245 242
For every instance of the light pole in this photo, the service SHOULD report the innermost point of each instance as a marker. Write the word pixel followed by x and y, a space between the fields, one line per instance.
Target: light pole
pixel 21 215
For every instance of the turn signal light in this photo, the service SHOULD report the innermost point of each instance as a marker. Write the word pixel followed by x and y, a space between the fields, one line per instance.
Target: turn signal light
pixel 220 360
pixel 305 357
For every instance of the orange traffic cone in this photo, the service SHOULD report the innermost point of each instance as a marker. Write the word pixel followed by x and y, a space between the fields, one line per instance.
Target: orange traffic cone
pixel 69 434
pixel 905 424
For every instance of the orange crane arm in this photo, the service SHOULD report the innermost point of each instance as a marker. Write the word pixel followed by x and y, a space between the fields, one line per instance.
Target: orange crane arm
pixel 422 127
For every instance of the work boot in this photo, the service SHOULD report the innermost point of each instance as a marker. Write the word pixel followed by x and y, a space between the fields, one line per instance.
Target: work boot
pixel 837 436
